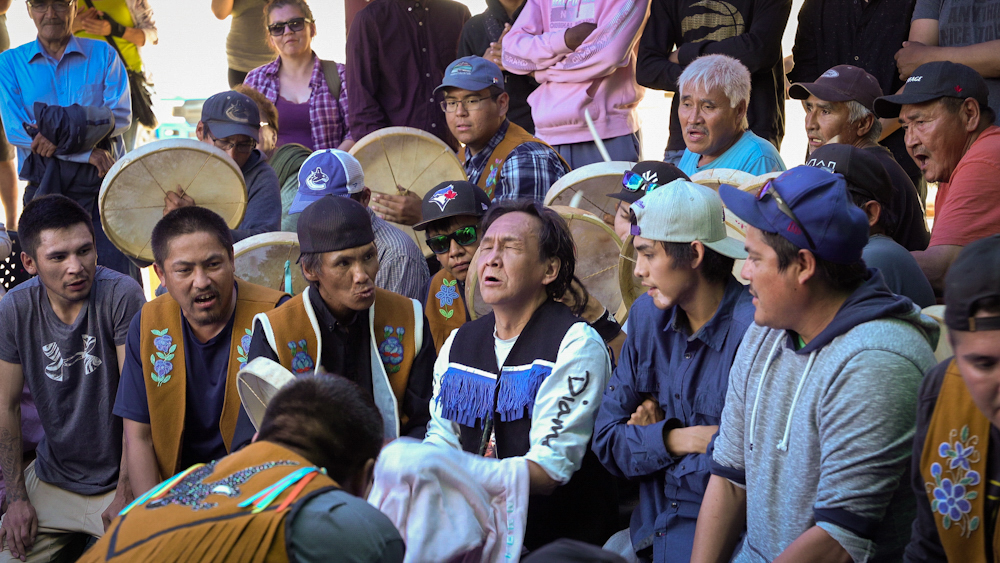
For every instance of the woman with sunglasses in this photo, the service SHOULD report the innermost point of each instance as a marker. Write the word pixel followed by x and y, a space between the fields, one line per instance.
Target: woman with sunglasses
pixel 310 96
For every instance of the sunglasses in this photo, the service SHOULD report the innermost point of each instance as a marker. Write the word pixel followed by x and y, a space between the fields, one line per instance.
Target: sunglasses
pixel 634 182
pixel 464 237
pixel 277 29
pixel 784 208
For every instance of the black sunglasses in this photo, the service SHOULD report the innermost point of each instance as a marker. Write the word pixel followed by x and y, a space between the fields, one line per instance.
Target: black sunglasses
pixel 464 237
pixel 277 29
pixel 784 208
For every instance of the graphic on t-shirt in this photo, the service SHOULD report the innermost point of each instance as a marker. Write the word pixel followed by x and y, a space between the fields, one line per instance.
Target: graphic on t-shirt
pixel 56 370
pixel 720 20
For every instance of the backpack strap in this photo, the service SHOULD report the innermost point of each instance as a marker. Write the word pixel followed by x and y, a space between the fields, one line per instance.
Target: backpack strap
pixel 332 77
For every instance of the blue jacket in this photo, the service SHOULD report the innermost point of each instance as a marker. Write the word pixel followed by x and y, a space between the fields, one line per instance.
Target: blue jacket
pixel 689 378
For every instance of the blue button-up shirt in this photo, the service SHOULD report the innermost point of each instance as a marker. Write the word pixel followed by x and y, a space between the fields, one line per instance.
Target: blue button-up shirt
pixel 90 73
pixel 688 375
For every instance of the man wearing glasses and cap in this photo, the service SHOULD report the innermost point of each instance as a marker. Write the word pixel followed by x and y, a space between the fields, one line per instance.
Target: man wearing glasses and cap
pixel 644 177
pixel 817 429
pixel 231 122
pixel 664 402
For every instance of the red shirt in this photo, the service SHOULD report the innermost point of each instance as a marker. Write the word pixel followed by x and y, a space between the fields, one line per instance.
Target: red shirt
pixel 965 209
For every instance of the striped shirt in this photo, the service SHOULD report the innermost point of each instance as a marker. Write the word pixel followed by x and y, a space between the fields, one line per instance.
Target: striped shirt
pixel 327 116
pixel 529 171
pixel 402 268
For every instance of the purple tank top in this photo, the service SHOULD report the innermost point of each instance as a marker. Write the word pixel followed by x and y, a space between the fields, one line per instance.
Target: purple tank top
pixel 293 123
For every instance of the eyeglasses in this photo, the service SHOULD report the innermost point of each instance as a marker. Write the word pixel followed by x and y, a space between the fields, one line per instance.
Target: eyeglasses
pixel 244 147
pixel 40 7
pixel 470 104
pixel 464 237
pixel 277 29
pixel 784 208
pixel 634 183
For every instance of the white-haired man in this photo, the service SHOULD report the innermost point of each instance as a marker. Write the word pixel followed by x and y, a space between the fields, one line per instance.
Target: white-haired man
pixel 714 94
pixel 840 109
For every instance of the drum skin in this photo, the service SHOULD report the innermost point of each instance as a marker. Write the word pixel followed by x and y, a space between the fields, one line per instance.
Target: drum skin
pixel 257 383
pixel 589 185
pixel 260 259
pixel 132 195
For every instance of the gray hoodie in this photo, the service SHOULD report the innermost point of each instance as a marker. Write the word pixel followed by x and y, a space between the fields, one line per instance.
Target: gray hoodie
pixel 823 435
pixel 263 213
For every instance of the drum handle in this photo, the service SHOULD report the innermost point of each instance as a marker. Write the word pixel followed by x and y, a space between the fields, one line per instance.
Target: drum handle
pixel 288 277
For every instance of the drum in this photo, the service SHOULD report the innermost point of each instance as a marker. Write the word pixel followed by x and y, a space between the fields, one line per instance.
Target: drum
pixel 715 177
pixel 410 158
pixel 270 260
pixel 598 249
pixel 943 350
pixel 257 383
pixel 587 187
pixel 757 182
pixel 132 194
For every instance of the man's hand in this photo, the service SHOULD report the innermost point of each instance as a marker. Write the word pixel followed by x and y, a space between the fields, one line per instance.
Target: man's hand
pixel 102 160
pixel 690 440
pixel 42 146
pixel 576 35
pixel 403 209
pixel 176 200
pixel 19 528
pixel 649 412
pixel 912 55
pixel 495 51
pixel 118 504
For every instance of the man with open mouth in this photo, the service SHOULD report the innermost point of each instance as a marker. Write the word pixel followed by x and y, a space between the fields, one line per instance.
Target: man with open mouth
pixel 178 397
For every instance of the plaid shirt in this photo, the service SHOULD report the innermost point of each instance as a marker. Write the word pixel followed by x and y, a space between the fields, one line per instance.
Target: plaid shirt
pixel 529 171
pixel 401 267
pixel 328 117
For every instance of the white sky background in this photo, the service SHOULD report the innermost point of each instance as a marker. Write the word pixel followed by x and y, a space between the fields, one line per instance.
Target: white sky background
pixel 190 61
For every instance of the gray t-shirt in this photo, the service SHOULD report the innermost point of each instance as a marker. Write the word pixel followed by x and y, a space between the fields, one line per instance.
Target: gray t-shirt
pixel 337 526
pixel 246 46
pixel 72 372
pixel 962 23
pixel 899 269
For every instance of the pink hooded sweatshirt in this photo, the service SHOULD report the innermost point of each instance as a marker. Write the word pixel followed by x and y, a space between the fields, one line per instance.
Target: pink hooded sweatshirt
pixel 599 75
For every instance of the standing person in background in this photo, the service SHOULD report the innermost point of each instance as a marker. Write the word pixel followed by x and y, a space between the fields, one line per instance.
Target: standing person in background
pixel 397 51
pixel 483 36
pixel 246 44
pixel 130 24
pixel 583 57
pixel 312 106
pixel 8 164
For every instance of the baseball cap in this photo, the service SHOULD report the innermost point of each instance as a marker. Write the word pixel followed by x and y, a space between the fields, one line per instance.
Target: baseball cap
pixel 820 202
pixel 231 113
pixel 472 73
pixel 841 83
pixel 334 223
pixel 935 80
pixel 974 275
pixel 859 167
pixel 449 199
pixel 654 172
pixel 683 211
pixel 327 172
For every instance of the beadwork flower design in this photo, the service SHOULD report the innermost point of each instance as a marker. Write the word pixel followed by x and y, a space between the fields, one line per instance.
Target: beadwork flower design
pixel 950 494
pixel 162 366
pixel 301 361
pixel 243 350
pixel 391 349
pixel 446 297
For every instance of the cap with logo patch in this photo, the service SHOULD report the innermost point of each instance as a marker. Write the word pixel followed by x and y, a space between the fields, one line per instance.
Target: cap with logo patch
pixel 684 212
pixel 449 199
pixel 859 167
pixel 842 83
pixel 472 73
pixel 231 113
pixel 327 172
pixel 938 79
pixel 654 172
pixel 973 276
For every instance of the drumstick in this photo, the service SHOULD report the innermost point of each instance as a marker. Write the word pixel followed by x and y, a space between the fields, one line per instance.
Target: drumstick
pixel 597 138
pixel 389 166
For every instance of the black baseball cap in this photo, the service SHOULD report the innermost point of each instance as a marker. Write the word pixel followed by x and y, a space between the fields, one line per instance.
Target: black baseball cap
pixel 859 167
pixel 334 223
pixel 842 83
pixel 654 171
pixel 938 79
pixel 231 113
pixel 449 199
pixel 974 275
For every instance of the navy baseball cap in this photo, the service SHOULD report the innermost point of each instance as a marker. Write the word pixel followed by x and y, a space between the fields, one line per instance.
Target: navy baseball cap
pixel 938 79
pixel 973 276
pixel 472 73
pixel 327 172
pixel 820 202
pixel 231 113
pixel 841 83
pixel 653 171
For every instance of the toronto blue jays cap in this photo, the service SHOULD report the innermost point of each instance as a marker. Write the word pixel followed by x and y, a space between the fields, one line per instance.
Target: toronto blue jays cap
pixel 231 113
pixel 327 172
pixel 819 201
pixel 449 199
pixel 472 73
